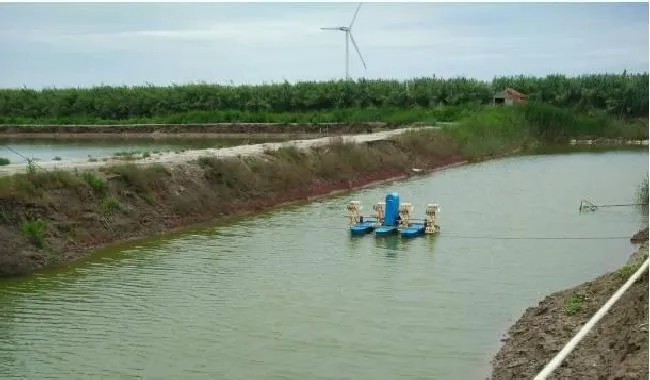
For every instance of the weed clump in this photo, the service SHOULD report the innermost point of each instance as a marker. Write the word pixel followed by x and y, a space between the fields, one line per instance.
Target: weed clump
pixel 95 182
pixel 144 180
pixel 34 230
pixel 574 304
pixel 625 272
pixel 111 204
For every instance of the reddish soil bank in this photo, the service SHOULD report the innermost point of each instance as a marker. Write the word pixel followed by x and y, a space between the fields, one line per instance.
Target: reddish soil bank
pixel 617 347
pixel 216 128
pixel 78 220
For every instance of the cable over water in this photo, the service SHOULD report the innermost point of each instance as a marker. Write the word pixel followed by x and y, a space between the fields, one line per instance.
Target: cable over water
pixel 288 295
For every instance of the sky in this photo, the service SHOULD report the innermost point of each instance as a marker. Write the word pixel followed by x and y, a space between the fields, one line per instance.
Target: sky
pixel 85 44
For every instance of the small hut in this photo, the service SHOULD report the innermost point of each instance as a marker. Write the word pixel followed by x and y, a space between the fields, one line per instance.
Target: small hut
pixel 509 97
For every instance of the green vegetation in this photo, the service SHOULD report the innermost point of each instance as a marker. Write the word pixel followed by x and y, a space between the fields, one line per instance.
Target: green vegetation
pixel 95 182
pixel 574 304
pixel 128 200
pixel 508 128
pixel 492 131
pixel 111 204
pixel 36 182
pixel 289 169
pixel 422 99
pixel 145 180
pixel 625 272
pixel 4 161
pixel 34 230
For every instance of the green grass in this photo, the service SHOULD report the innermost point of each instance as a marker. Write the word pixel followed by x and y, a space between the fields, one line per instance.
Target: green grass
pixel 503 129
pixel 574 305
pixel 112 204
pixel 144 180
pixel 95 182
pixel 34 230
pixel 35 182
pixel 626 271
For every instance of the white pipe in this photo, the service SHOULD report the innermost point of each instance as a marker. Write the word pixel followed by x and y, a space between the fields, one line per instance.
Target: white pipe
pixel 557 360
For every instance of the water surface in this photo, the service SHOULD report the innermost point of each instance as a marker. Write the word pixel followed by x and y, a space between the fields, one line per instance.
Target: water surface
pixel 288 295
pixel 71 149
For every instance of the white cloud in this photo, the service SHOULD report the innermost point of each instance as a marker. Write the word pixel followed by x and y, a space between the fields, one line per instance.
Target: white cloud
pixel 171 42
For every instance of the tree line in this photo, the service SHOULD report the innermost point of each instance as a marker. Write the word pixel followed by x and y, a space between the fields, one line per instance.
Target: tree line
pixel 621 95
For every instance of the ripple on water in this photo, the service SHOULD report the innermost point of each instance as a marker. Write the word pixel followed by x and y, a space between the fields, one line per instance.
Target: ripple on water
pixel 289 295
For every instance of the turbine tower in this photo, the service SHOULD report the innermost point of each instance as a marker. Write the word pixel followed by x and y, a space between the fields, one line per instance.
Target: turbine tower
pixel 348 38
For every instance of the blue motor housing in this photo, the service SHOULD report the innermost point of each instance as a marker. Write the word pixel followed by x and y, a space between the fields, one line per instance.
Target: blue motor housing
pixel 392 209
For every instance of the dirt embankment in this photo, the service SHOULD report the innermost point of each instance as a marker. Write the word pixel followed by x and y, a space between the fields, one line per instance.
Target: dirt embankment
pixel 617 347
pixel 17 130
pixel 173 158
pixel 48 218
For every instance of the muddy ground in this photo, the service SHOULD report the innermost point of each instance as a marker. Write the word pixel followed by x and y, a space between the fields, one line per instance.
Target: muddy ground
pixel 617 347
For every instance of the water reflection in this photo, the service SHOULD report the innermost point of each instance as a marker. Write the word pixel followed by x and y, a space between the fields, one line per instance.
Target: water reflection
pixel 431 242
pixel 354 242
pixel 390 244
pixel 291 295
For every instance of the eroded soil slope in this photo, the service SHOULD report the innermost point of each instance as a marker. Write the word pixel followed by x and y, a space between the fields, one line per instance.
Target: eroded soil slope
pixel 617 347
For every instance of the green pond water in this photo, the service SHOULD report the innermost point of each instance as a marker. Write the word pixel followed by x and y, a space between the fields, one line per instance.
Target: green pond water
pixel 71 149
pixel 289 295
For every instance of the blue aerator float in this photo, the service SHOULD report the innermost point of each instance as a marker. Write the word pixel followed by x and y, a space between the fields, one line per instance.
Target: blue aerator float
pixel 392 218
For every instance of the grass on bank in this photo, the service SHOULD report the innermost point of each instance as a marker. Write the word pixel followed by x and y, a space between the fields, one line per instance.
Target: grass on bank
pixel 506 128
pixel 494 130
pixel 34 230
pixel 574 305
pixel 114 189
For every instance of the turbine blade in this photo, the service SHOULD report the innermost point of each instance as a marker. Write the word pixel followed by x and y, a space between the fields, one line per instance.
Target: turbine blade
pixel 330 28
pixel 355 15
pixel 357 49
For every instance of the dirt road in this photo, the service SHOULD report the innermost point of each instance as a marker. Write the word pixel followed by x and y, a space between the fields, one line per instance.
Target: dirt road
pixel 171 158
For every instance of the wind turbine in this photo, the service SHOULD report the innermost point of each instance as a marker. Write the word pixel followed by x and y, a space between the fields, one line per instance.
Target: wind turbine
pixel 348 38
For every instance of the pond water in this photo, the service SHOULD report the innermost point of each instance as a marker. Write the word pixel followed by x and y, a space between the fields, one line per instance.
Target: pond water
pixel 71 149
pixel 289 295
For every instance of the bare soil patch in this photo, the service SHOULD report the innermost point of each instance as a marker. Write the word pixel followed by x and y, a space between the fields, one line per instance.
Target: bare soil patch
pixel 617 347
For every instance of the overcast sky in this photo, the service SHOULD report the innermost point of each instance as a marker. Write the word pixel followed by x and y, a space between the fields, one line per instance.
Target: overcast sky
pixel 63 45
